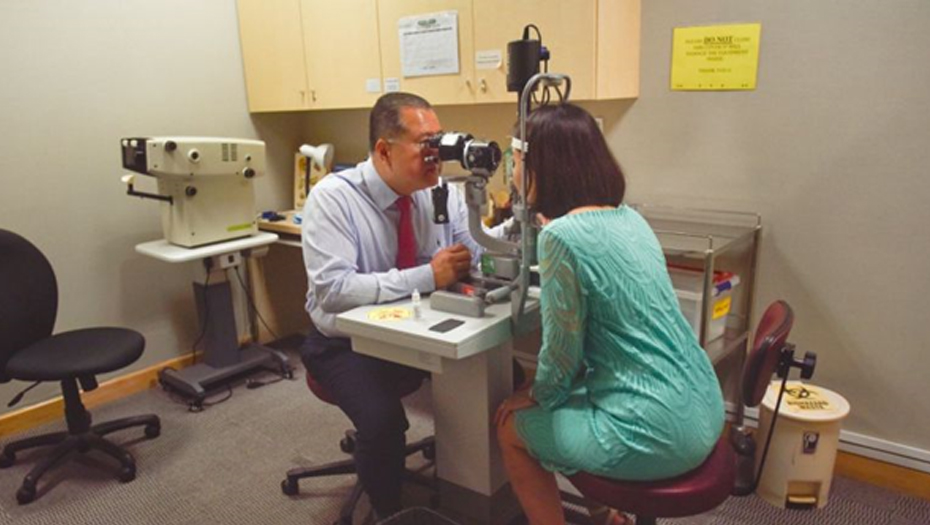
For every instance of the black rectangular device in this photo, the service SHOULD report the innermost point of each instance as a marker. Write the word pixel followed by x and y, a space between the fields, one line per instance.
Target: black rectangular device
pixel 445 326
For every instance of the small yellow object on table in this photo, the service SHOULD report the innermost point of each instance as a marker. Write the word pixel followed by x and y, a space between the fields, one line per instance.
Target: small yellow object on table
pixel 390 313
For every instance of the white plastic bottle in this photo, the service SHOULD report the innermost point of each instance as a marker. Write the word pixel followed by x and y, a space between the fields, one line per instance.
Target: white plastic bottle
pixel 417 312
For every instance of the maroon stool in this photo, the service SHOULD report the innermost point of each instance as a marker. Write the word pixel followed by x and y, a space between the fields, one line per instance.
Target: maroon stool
pixel 290 484
pixel 694 492
pixel 707 486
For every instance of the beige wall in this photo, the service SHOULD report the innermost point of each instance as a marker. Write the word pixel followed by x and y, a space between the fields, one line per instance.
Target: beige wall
pixel 78 76
pixel 832 149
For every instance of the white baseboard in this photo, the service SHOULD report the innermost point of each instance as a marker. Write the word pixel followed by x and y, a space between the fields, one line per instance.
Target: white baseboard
pixel 863 445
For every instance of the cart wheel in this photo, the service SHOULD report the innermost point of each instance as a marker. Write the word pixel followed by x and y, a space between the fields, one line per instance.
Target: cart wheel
pixel 152 431
pixel 289 487
pixel 127 474
pixel 26 493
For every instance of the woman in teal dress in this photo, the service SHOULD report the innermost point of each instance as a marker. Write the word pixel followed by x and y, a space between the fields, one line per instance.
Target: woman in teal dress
pixel 622 389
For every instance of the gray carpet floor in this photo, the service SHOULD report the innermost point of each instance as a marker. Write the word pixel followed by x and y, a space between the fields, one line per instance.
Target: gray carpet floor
pixel 225 465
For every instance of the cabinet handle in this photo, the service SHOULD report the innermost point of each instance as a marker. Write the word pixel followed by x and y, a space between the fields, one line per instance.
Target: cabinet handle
pixel 484 86
pixel 468 83
pixel 313 95
pixel 303 96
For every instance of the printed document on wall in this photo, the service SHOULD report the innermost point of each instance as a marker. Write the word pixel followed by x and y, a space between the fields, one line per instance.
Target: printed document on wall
pixel 429 44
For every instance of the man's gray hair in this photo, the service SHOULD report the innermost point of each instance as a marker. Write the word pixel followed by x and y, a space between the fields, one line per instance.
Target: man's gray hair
pixel 384 120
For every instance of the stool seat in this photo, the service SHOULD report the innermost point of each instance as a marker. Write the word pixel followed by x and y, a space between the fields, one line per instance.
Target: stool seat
pixel 694 492
pixel 78 353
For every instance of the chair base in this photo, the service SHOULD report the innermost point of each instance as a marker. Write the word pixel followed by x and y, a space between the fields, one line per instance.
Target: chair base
pixel 67 444
pixel 290 487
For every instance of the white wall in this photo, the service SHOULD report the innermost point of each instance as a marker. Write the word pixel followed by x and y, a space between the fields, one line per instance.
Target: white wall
pixel 832 149
pixel 78 76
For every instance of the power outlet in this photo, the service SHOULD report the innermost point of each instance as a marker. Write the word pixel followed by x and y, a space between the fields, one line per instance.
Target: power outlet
pixel 229 260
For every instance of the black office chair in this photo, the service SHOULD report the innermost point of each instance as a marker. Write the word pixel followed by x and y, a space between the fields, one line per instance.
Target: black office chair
pixel 29 352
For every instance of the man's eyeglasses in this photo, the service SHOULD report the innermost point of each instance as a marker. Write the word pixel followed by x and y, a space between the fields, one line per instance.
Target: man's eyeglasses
pixel 420 145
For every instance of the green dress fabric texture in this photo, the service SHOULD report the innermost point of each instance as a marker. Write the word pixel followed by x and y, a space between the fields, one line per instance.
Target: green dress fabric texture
pixel 623 387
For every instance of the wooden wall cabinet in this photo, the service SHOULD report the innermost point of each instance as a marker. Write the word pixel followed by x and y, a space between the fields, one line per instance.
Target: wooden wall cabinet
pixel 319 54
pixel 342 53
pixel 271 38
pixel 309 54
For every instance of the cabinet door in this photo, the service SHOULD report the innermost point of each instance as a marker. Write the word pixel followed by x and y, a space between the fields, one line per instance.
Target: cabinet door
pixel 342 53
pixel 438 89
pixel 568 30
pixel 272 58
pixel 618 49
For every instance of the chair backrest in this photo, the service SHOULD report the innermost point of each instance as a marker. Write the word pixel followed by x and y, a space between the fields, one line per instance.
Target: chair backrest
pixel 28 296
pixel 771 336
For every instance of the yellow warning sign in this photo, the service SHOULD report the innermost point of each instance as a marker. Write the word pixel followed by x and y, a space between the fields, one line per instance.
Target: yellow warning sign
pixel 389 313
pixel 715 58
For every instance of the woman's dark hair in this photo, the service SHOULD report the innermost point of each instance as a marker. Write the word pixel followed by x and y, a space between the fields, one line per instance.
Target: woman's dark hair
pixel 568 162
pixel 384 119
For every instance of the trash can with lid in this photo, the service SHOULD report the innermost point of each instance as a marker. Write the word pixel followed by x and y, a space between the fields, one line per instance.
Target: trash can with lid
pixel 799 467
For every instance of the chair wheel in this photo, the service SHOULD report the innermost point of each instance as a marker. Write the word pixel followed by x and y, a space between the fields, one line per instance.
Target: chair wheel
pixel 7 459
pixel 26 494
pixel 429 452
pixel 127 474
pixel 289 487
pixel 347 445
pixel 152 431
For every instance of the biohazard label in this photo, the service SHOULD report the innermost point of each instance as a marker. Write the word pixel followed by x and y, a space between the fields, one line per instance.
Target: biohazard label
pixel 806 398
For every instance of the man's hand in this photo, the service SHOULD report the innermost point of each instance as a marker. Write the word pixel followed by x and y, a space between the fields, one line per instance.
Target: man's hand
pixel 450 264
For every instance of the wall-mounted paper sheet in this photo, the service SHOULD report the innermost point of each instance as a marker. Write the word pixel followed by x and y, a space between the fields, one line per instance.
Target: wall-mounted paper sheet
pixel 429 44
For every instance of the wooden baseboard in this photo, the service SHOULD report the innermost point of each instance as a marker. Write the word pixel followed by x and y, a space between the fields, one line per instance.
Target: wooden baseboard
pixel 116 388
pixel 881 474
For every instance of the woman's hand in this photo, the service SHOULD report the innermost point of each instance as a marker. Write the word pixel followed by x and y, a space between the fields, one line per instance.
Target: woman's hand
pixel 518 401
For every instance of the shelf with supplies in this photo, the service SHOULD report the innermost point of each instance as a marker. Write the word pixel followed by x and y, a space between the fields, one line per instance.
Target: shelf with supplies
pixel 285 225
pixel 712 257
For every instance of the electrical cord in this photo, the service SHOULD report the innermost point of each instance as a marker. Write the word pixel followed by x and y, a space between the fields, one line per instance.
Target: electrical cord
pixel 254 383
pixel 252 308
pixel 208 264
pixel 229 394
pixel 546 95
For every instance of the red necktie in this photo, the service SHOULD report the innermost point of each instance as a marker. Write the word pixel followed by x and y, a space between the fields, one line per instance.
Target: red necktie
pixel 406 240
